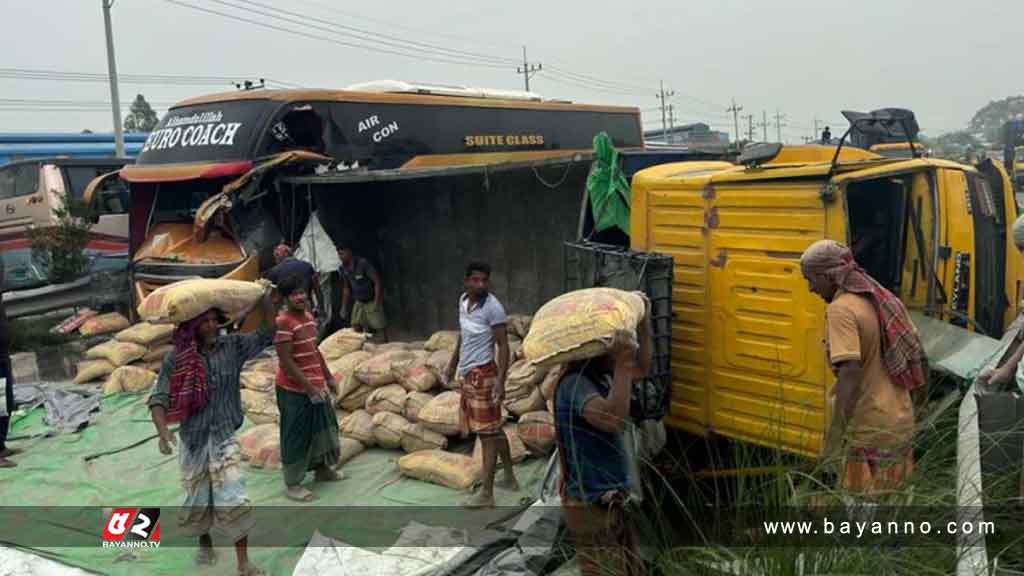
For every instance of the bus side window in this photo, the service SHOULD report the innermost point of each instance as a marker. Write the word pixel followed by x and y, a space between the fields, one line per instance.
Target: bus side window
pixel 7 182
pixel 26 179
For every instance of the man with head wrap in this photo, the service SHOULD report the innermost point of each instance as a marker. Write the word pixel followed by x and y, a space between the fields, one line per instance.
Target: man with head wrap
pixel 1012 368
pixel 199 386
pixel 878 360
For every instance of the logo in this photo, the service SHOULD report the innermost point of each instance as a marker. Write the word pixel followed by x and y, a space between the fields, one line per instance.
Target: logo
pixel 132 528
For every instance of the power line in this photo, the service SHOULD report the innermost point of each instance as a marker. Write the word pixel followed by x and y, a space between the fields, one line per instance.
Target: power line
pixel 307 35
pixel 779 124
pixel 163 79
pixel 369 35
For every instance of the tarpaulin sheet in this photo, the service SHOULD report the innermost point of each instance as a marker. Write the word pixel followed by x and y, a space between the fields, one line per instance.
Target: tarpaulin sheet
pixel 52 472
pixel 68 409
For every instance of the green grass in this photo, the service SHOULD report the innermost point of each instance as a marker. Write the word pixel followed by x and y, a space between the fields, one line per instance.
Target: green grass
pixel 681 497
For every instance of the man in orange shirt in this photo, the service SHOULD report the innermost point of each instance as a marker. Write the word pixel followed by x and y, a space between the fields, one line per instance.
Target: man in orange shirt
pixel 878 359
pixel 309 427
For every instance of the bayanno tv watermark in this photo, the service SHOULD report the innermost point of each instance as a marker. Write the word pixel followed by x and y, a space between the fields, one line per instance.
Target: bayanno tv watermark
pixel 132 528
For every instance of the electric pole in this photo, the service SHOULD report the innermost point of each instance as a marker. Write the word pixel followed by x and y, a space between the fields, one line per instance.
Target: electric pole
pixel 778 124
pixel 671 118
pixel 663 95
pixel 750 127
pixel 528 69
pixel 764 124
pixel 115 99
pixel 735 117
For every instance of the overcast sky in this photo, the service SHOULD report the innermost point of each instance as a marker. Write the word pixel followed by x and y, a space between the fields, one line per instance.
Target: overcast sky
pixel 806 59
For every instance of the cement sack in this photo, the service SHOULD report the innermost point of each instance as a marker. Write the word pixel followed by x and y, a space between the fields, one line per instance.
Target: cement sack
pixel 416 346
pixel 442 414
pixel 550 405
pixel 349 448
pixel 377 372
pixel 258 381
pixel 262 365
pixel 523 378
pixel 341 343
pixel 389 398
pixel 417 377
pixel 260 407
pixel 456 471
pixel 515 444
pixel 382 348
pixel 438 362
pixel 550 384
pixel 355 399
pixel 515 350
pixel 358 426
pixel 104 324
pixel 157 354
pixel 129 379
pixel 344 368
pixel 416 437
pixel 443 340
pixel 154 367
pixel 580 324
pixel 261 446
pixel 187 299
pixel 519 325
pixel 117 353
pixel 388 428
pixel 92 370
pixel 537 431
pixel 146 334
pixel 414 402
pixel 531 403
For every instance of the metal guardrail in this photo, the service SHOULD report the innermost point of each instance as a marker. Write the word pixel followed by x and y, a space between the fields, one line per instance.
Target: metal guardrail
pixel 96 291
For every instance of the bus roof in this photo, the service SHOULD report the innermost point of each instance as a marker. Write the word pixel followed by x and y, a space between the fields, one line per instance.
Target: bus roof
pixel 322 95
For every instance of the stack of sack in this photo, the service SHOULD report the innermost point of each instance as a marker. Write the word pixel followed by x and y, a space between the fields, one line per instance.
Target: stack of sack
pixel 128 362
pixel 391 396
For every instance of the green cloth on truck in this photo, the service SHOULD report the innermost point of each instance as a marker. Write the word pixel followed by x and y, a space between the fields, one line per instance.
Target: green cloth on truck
pixel 52 472
pixel 607 187
pixel 309 435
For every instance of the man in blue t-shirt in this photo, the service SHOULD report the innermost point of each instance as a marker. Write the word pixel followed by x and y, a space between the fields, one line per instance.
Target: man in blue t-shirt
pixel 592 404
pixel 288 265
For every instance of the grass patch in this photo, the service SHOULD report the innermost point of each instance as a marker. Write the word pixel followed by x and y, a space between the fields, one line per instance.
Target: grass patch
pixel 681 498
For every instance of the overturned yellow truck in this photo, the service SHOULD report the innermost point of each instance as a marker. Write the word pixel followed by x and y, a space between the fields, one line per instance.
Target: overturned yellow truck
pixel 747 358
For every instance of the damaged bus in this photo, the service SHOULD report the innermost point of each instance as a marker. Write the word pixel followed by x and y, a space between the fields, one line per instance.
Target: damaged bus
pixel 208 192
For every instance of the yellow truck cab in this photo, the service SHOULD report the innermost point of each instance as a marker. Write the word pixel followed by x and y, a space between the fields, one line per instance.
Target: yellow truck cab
pixel 747 358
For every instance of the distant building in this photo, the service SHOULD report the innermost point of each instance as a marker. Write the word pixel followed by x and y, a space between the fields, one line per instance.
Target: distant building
pixel 697 134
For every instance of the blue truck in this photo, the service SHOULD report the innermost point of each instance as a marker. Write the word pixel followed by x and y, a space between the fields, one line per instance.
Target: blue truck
pixel 28 145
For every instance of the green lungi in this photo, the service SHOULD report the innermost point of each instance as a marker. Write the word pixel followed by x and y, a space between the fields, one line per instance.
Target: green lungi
pixel 309 435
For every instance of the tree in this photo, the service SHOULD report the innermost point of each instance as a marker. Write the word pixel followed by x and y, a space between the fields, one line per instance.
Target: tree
pixel 990 119
pixel 953 145
pixel 142 118
pixel 60 249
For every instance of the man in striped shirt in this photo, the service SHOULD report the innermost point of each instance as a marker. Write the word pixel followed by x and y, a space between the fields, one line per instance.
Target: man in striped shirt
pixel 309 427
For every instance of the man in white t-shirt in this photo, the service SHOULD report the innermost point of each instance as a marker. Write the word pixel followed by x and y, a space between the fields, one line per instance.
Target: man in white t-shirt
pixel 482 322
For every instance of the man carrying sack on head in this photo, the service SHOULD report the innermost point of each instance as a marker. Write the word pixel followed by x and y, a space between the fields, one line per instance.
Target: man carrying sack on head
pixel 199 387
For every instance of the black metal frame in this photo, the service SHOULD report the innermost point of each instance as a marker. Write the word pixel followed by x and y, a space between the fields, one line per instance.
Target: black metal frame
pixel 590 264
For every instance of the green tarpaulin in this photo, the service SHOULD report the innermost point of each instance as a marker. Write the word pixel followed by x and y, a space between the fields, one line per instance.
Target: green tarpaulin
pixel 608 187
pixel 52 472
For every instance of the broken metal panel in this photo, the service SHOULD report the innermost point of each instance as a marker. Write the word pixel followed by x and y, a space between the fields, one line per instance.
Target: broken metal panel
pixel 955 351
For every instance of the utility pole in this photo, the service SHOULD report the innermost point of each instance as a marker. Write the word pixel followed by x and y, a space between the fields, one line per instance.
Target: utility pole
pixel 115 99
pixel 671 117
pixel 663 95
pixel 528 69
pixel 750 127
pixel 735 117
pixel 778 124
pixel 764 124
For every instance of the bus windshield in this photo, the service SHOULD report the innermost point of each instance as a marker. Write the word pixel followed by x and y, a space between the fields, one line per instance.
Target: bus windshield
pixel 215 132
